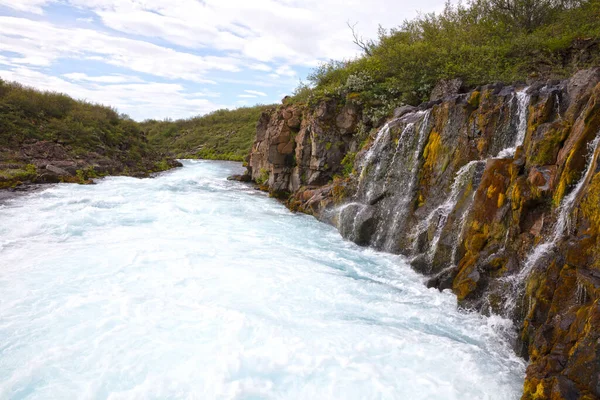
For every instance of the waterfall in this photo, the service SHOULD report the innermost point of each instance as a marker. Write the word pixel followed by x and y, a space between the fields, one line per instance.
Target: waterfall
pixel 561 227
pixel 401 142
pixel 522 115
pixel 557 105
pixel 377 168
pixel 523 105
pixel 581 293
pixel 381 133
pixel 462 178
pixel 381 139
pixel 400 209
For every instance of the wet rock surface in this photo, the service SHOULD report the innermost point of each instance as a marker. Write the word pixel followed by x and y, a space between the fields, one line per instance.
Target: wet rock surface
pixel 494 193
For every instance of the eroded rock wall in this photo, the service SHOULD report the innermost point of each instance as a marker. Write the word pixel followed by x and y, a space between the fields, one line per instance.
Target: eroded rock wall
pixel 296 147
pixel 494 193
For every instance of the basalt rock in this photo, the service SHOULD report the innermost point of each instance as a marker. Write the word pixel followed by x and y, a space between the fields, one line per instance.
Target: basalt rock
pixel 42 161
pixel 494 193
pixel 446 88
pixel 297 146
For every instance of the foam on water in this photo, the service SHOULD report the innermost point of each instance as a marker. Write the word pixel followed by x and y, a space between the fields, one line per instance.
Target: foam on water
pixel 191 286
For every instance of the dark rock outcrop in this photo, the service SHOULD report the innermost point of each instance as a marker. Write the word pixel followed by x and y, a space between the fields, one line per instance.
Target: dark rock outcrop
pixel 41 161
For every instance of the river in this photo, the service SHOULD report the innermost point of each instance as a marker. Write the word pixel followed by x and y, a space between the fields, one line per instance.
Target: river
pixel 190 286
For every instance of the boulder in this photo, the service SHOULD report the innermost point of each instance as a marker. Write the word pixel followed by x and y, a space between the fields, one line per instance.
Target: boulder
pixel 240 178
pixel 57 170
pixel 446 88
pixel 401 111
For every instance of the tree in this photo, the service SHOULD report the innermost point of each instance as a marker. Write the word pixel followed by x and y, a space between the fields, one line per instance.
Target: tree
pixel 365 45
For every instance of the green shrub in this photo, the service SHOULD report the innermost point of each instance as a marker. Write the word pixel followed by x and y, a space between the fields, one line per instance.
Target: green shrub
pixel 478 42
pixel 27 114
pixel 220 135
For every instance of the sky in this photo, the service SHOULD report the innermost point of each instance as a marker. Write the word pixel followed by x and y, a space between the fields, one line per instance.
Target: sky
pixel 181 58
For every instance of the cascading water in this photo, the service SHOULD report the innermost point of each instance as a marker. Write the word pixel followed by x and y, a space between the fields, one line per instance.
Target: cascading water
pixel 461 233
pixel 382 166
pixel 523 99
pixel 561 227
pixel 381 141
pixel 349 215
pixel 388 231
pixel 463 177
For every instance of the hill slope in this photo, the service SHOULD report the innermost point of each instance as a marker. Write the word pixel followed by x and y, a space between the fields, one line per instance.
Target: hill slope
pixel 49 137
pixel 222 134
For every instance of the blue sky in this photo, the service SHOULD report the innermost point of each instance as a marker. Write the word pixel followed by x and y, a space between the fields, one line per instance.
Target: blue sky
pixel 180 58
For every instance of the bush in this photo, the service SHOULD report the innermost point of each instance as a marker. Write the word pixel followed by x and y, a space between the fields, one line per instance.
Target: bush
pixel 220 135
pixel 477 42
pixel 84 129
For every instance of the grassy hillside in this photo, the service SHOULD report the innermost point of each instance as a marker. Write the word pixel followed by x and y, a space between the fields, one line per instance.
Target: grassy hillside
pixel 481 42
pixel 222 134
pixel 79 140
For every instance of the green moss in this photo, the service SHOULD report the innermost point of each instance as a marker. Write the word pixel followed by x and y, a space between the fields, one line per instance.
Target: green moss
pixel 544 151
pixel 590 206
pixel 14 177
pixel 476 242
pixel 567 178
pixel 348 163
pixel 263 177
pixel 474 99
pixel 433 151
pixel 339 190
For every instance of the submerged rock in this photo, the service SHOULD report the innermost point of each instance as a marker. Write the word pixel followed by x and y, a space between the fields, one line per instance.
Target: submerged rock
pixel 240 178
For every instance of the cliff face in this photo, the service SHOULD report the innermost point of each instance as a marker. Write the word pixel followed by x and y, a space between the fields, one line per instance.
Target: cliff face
pixel 493 193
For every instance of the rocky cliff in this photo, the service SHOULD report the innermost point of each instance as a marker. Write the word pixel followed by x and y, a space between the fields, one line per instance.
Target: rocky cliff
pixel 493 193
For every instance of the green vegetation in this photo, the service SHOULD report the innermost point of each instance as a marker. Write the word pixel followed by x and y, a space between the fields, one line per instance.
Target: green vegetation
pixel 12 177
pixel 41 128
pixel 89 140
pixel 348 163
pixel 29 115
pixel 263 177
pixel 222 134
pixel 481 42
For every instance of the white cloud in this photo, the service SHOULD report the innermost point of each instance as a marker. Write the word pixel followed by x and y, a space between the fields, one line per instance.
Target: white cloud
pixel 259 43
pixel 285 70
pixel 41 44
pixel 255 92
pixel 78 76
pixel 260 67
pixel 32 6
pixel 139 100
pixel 297 32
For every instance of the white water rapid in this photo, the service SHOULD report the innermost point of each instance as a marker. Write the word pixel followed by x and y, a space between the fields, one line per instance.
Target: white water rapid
pixel 189 286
